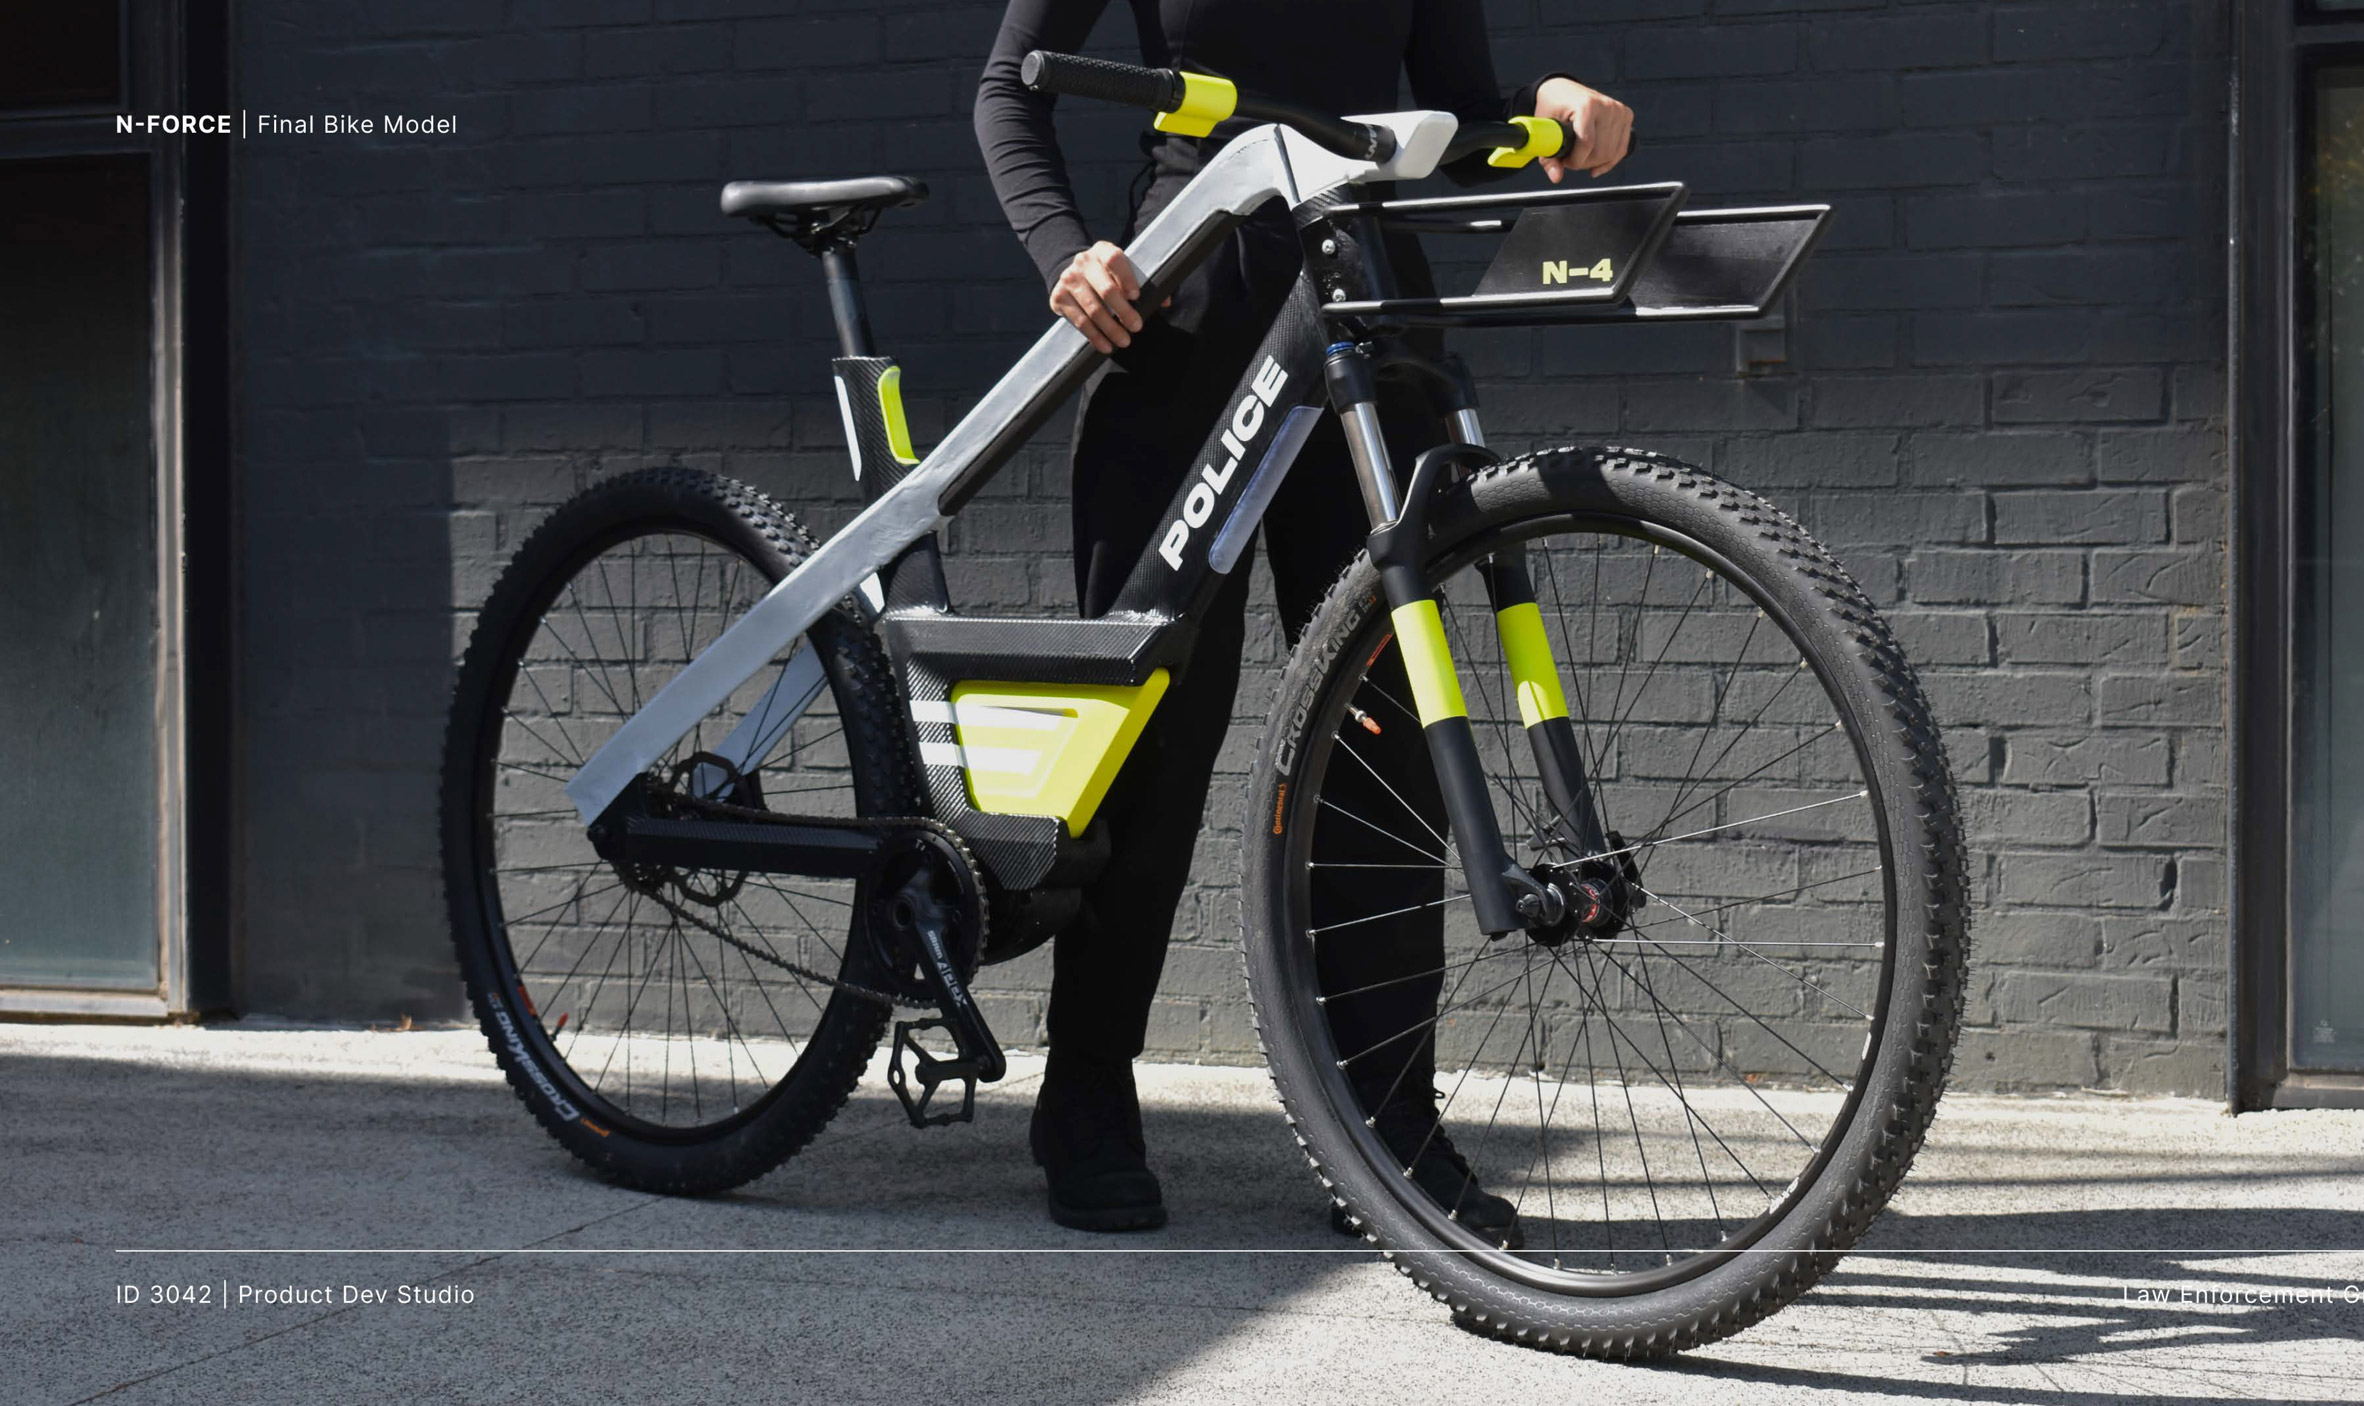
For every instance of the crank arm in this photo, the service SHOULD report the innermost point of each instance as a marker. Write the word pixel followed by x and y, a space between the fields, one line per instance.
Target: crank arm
pixel 980 1053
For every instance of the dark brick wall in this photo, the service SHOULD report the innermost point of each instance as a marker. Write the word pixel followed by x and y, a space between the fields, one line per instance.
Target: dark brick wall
pixel 2003 408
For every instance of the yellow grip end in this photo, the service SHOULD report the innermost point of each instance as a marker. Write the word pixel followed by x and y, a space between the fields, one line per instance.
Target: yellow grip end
pixel 1543 139
pixel 1206 100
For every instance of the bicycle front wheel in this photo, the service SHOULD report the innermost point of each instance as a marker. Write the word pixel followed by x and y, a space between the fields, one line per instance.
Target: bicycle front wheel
pixel 1691 1112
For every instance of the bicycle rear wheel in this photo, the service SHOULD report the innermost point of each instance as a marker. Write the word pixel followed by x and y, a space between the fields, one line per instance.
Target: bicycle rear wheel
pixel 1695 1112
pixel 675 1029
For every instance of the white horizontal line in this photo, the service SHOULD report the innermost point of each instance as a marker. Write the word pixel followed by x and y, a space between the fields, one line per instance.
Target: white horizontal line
pixel 1015 760
pixel 1859 1253
pixel 983 715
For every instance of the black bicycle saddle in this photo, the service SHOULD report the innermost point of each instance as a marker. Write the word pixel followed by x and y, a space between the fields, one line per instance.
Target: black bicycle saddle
pixel 775 199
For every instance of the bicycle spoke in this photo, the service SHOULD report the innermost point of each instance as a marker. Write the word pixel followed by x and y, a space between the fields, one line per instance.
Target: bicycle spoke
pixel 1635 1038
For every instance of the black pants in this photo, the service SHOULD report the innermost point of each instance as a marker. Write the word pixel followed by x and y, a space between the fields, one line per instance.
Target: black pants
pixel 1141 422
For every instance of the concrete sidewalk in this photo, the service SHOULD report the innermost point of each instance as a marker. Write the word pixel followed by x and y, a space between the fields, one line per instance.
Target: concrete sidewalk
pixel 904 1267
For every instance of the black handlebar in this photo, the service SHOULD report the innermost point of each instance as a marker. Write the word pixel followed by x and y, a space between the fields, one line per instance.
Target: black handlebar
pixel 1079 77
pixel 1163 90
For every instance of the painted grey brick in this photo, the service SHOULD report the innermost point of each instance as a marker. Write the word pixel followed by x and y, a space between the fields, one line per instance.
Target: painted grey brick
pixel 2091 1001
pixel 1710 405
pixel 2085 152
pixel 1688 51
pixel 2089 880
pixel 2086 638
pixel 2083 31
pixel 1815 105
pixel 2024 1059
pixel 2151 819
pixel 2016 697
pixel 2172 698
pixel 2186 453
pixel 1898 42
pixel 2199 639
pixel 1902 281
pixel 1810 459
pixel 2021 577
pixel 2050 277
pixel 2037 938
pixel 2159 940
pixel 1893 162
pixel 2040 397
pixel 2049 517
pixel 1886 519
pixel 1999 815
pixel 2198 513
pixel 2108 758
pixel 1994 218
pixel 2003 337
pixel 1904 402
pixel 2001 459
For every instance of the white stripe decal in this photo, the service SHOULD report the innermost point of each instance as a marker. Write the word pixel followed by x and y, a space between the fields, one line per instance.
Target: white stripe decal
pixel 1015 760
pixel 983 715
pixel 853 439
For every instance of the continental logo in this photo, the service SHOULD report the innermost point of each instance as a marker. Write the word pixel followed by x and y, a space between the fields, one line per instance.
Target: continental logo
pixel 1246 421
pixel 533 1070
pixel 1561 270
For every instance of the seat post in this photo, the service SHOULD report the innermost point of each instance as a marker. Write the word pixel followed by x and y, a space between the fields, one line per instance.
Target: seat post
pixel 845 298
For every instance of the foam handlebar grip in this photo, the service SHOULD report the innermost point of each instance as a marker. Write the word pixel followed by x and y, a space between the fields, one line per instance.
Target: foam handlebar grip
pixel 1160 89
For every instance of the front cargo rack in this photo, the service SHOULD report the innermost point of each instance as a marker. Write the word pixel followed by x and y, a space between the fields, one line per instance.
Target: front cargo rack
pixel 1626 253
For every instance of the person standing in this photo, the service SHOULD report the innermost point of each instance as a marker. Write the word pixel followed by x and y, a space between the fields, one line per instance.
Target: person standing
pixel 1141 418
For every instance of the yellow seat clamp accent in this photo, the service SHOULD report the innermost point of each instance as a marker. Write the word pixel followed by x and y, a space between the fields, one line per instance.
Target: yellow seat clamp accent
pixel 1543 139
pixel 1206 100
pixel 890 404
pixel 1533 671
pixel 1436 693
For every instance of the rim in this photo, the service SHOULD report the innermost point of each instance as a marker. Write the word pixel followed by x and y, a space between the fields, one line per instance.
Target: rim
pixel 1674 1087
pixel 640 1012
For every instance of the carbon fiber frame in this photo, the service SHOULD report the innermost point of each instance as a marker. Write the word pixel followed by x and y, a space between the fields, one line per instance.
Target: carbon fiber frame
pixel 1264 164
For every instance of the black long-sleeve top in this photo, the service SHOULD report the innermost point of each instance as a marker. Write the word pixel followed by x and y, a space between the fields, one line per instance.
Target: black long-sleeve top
pixel 1337 56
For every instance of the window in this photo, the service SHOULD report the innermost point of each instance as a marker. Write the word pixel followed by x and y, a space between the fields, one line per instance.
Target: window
pixel 2327 650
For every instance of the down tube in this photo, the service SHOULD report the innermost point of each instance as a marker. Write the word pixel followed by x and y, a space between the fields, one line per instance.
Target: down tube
pixel 1245 456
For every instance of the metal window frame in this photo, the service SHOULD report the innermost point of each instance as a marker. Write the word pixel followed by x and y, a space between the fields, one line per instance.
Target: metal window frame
pixel 176 54
pixel 2279 46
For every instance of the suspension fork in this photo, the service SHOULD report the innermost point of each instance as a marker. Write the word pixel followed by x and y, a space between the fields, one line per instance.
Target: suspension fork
pixel 1543 705
pixel 1504 896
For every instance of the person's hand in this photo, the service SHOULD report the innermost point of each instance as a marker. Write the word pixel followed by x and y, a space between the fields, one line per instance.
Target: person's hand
pixel 1096 293
pixel 1604 127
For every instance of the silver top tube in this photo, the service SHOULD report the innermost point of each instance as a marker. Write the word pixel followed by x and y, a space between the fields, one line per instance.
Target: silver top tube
pixel 1261 164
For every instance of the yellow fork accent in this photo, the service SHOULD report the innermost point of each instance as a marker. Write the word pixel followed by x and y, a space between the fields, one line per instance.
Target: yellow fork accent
pixel 1527 649
pixel 1436 693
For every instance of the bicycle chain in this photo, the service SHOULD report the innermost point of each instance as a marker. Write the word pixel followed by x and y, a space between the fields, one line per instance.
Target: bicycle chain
pixel 750 813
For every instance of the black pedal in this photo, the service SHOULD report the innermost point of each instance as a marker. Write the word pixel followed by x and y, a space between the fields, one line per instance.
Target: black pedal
pixel 931 1071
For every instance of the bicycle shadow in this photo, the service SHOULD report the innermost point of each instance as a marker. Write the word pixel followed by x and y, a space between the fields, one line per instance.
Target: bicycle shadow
pixel 2057 1295
pixel 877 1233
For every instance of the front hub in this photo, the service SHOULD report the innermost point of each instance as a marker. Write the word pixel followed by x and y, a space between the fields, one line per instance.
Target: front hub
pixel 1599 896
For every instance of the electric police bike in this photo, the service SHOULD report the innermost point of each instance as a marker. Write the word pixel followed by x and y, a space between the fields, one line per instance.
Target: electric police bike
pixel 722 801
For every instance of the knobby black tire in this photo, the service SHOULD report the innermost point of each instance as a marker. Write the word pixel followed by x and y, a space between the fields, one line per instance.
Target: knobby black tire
pixel 1831 619
pixel 781 1121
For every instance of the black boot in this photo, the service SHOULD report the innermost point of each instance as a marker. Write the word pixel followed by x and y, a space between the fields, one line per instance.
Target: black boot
pixel 1087 1138
pixel 1409 1129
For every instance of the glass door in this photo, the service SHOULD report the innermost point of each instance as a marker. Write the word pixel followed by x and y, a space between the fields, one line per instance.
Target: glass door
pixel 78 597
pixel 2326 974
pixel 92 907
